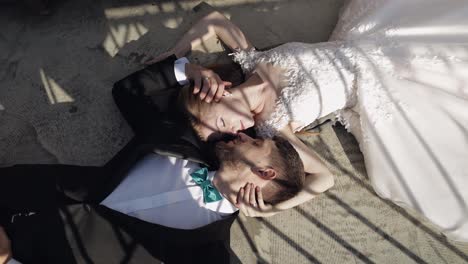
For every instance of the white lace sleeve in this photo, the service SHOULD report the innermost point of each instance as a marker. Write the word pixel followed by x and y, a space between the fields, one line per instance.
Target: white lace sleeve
pixel 247 59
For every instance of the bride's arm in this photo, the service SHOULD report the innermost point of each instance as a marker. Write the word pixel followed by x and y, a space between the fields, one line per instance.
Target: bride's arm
pixel 206 82
pixel 212 24
pixel 318 179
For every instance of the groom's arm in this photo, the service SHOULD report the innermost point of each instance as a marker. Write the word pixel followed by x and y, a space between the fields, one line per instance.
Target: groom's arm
pixel 135 95
pixel 145 95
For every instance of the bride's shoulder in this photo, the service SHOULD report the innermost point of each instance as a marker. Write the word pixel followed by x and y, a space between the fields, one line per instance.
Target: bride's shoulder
pixel 272 74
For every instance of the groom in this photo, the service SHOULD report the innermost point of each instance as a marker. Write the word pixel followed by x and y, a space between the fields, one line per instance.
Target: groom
pixel 148 201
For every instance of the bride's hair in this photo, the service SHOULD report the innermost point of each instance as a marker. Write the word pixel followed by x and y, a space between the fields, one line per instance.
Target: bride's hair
pixel 191 105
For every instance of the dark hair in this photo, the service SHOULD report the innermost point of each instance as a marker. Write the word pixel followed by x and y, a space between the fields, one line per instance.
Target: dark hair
pixel 290 171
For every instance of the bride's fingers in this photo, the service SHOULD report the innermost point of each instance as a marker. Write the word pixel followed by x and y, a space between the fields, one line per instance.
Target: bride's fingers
pixel 243 207
pixel 261 203
pixel 240 195
pixel 247 194
pixel 252 199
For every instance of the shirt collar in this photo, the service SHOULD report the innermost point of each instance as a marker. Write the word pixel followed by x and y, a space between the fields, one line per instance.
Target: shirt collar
pixel 222 206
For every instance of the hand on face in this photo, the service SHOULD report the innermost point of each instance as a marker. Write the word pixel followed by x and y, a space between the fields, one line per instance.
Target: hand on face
pixel 206 82
pixel 250 202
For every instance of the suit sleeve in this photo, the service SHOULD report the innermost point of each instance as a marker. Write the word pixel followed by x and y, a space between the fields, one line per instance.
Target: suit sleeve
pixel 134 95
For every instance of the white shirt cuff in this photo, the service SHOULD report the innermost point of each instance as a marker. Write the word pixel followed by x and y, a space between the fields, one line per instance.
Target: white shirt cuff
pixel 179 70
pixel 13 261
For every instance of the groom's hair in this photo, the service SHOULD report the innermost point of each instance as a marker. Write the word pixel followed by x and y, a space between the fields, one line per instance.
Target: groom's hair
pixel 290 172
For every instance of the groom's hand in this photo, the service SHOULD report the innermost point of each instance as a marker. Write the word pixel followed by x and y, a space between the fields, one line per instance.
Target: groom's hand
pixel 5 247
pixel 250 202
pixel 206 82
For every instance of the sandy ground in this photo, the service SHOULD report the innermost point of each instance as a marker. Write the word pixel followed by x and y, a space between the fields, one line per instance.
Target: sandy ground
pixel 56 75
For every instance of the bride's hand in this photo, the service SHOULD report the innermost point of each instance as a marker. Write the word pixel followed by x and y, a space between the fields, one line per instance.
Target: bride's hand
pixel 207 83
pixel 250 202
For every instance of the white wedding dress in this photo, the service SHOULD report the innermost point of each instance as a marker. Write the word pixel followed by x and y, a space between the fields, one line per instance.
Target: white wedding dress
pixel 395 73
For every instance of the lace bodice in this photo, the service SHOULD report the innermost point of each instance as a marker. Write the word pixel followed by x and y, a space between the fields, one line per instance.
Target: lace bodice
pixel 320 81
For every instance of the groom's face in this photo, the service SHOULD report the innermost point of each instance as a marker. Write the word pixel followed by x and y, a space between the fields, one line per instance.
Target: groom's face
pixel 245 156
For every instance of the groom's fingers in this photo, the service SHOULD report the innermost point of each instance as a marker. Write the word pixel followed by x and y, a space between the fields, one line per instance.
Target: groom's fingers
pixel 206 86
pixel 212 90
pixel 197 85
pixel 220 90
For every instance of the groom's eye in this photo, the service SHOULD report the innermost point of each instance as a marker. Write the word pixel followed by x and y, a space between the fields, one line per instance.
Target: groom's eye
pixel 222 122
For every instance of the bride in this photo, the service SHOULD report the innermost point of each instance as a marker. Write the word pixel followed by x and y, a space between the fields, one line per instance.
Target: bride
pixel 396 76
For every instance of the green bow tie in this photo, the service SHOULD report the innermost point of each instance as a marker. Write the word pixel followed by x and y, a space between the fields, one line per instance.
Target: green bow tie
pixel 210 194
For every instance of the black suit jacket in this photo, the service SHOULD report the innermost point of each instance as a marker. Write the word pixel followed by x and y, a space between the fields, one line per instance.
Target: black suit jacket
pixel 147 101
pixel 81 230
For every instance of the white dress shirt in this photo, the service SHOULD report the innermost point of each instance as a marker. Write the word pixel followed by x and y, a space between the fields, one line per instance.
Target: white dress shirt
pixel 179 70
pixel 160 190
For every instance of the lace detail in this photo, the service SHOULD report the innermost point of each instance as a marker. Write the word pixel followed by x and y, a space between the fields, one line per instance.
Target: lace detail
pixel 324 78
pixel 319 81
pixel 246 59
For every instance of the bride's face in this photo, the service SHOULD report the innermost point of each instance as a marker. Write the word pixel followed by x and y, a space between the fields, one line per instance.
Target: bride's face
pixel 229 116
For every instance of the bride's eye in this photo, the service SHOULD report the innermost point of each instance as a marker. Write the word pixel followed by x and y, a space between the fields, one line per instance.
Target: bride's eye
pixel 222 122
